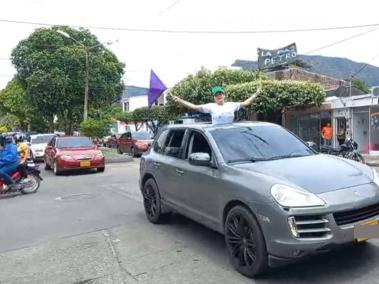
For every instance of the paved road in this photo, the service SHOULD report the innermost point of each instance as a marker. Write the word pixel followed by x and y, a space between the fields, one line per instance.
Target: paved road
pixel 91 228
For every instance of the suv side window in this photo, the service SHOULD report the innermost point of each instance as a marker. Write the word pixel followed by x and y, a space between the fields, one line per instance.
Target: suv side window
pixel 160 142
pixel 174 142
pixel 198 144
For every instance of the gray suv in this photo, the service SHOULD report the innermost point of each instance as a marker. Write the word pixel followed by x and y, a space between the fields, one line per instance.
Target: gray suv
pixel 272 196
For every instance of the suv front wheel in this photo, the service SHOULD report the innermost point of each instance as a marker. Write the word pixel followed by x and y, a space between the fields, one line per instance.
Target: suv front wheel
pixel 245 242
pixel 152 203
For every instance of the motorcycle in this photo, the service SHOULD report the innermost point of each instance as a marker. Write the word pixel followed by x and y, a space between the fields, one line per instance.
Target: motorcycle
pixel 29 181
pixel 347 150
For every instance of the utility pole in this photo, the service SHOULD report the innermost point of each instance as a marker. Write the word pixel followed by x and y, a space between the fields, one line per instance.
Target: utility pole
pixel 87 67
pixel 86 87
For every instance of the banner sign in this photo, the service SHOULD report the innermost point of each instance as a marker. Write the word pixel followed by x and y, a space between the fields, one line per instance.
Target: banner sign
pixel 272 58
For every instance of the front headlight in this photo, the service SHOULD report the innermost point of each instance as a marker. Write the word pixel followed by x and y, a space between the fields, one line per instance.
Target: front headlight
pixel 99 155
pixel 66 158
pixel 288 196
pixel 376 177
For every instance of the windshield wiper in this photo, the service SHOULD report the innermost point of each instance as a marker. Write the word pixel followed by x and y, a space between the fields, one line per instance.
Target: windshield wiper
pixel 287 156
pixel 251 159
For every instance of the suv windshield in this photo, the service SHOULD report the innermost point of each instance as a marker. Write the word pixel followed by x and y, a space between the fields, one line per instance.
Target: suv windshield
pixel 41 139
pixel 258 143
pixel 74 142
pixel 141 135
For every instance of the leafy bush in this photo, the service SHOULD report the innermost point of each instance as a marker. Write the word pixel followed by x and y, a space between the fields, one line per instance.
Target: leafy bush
pixel 95 128
pixel 277 95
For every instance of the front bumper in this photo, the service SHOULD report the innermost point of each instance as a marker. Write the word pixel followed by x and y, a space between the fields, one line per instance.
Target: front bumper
pixel 283 245
pixel 64 165
pixel 38 155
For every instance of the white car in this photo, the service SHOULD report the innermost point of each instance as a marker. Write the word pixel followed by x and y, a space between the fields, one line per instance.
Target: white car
pixel 38 143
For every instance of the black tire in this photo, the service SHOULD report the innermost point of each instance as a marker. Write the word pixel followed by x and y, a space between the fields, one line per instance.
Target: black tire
pixel 55 169
pixel 47 166
pixel 134 152
pixel 245 242
pixel 152 203
pixel 119 150
pixel 100 170
pixel 359 158
pixel 31 186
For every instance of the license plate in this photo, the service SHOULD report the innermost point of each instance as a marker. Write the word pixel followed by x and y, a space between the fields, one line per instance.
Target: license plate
pixel 367 223
pixel 85 164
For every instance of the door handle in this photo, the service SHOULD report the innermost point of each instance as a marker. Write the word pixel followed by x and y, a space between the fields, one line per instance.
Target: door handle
pixel 179 172
pixel 156 164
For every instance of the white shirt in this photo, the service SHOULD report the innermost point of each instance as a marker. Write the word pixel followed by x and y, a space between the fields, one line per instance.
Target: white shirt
pixel 221 114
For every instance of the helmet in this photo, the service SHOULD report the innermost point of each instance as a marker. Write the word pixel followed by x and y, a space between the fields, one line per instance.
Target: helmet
pixel 8 139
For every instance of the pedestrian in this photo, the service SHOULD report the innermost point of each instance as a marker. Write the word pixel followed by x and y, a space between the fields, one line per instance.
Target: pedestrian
pixel 221 112
pixel 327 134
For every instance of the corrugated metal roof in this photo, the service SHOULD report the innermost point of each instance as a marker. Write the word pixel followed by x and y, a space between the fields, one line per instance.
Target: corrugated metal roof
pixel 134 91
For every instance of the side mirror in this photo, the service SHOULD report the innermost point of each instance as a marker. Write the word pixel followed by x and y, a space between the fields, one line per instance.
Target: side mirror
pixel 200 159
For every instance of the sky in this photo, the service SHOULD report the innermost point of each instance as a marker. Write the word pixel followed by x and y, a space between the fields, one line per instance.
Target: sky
pixel 175 55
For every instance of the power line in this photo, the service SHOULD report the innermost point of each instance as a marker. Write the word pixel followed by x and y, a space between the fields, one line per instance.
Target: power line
pixel 195 31
pixel 341 41
pixel 169 7
pixel 364 66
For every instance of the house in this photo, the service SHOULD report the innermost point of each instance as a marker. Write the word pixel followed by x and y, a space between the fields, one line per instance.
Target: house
pixel 132 98
pixel 351 112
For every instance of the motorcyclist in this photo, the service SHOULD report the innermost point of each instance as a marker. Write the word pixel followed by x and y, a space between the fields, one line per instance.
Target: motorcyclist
pixel 9 161
pixel 23 150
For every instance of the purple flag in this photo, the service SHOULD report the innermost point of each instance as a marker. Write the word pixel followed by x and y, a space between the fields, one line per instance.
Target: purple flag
pixel 156 88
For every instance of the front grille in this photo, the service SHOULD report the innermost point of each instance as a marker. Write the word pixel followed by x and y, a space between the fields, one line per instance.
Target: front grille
pixel 313 226
pixel 356 215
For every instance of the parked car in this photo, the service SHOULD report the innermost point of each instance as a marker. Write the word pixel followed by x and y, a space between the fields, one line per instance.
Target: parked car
pixel 134 143
pixel 72 153
pixel 112 141
pixel 38 143
pixel 273 197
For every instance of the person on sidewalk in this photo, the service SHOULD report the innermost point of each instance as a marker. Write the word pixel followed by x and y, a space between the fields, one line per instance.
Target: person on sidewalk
pixel 9 161
pixel 327 134
pixel 222 112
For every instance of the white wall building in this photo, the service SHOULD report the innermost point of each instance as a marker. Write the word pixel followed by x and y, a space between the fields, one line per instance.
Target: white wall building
pixel 132 98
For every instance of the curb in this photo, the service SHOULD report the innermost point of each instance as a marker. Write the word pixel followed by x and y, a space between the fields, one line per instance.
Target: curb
pixel 115 160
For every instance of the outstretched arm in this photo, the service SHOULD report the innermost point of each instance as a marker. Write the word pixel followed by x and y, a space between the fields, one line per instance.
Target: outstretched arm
pixel 186 104
pixel 250 100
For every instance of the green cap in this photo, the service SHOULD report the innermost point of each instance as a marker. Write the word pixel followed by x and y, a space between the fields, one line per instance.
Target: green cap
pixel 217 89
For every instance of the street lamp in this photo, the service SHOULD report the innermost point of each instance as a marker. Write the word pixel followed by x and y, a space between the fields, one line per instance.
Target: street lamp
pixel 87 51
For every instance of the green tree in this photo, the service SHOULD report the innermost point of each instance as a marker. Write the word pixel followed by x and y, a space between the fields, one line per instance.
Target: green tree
pixel 95 128
pixel 17 109
pixel 360 85
pixel 197 88
pixel 154 117
pixel 13 101
pixel 239 85
pixel 52 69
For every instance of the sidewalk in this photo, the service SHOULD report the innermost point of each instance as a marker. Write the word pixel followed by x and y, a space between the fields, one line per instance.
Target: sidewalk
pixel 111 156
pixel 371 160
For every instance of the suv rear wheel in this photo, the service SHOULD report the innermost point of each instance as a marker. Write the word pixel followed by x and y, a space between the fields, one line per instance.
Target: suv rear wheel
pixel 152 203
